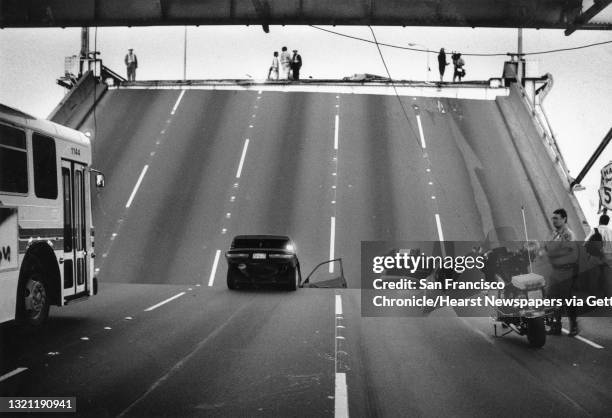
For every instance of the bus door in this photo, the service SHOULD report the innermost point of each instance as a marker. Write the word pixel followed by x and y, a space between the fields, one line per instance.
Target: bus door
pixel 75 241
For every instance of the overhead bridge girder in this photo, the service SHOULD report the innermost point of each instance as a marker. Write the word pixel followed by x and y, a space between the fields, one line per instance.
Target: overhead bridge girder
pixel 483 13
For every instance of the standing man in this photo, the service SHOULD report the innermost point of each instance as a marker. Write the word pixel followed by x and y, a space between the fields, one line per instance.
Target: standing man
pixel 605 234
pixel 273 72
pixel 442 63
pixel 285 61
pixel 296 64
pixel 131 62
pixel 562 252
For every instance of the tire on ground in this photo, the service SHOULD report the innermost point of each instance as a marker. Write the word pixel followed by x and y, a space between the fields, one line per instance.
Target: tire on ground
pixel 33 297
pixel 536 332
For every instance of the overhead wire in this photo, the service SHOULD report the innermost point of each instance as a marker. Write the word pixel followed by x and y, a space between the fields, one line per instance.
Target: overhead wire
pixel 382 58
pixel 431 175
pixel 469 54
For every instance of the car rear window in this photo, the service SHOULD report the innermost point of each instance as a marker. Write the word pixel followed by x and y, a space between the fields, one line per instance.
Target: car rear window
pixel 260 243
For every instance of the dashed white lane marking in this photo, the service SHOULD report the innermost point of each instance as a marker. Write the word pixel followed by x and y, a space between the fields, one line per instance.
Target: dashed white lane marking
pixel 244 151
pixel 13 373
pixel 213 271
pixel 341 397
pixel 584 340
pixel 178 101
pixel 421 132
pixel 340 388
pixel 332 239
pixel 163 302
pixel 439 225
pixel 336 132
pixel 338 305
pixel 440 234
pixel 142 174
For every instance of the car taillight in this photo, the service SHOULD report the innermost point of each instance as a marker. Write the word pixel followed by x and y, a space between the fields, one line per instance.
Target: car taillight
pixel 281 256
pixel 236 255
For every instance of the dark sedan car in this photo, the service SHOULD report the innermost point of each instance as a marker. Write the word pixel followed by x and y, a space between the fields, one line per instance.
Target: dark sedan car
pixel 262 260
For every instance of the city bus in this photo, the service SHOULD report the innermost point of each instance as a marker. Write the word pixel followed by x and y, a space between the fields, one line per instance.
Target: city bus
pixel 46 231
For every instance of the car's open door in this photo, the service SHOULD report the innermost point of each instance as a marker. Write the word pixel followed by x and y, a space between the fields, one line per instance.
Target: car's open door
pixel 331 277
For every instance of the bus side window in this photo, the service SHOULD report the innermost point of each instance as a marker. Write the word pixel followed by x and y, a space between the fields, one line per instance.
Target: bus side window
pixel 45 166
pixel 13 160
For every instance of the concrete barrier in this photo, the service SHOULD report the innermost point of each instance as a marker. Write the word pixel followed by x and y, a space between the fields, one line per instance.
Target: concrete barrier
pixel 79 102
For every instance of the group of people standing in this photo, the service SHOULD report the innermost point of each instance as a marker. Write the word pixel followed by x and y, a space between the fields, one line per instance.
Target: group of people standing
pixel 287 67
pixel 458 64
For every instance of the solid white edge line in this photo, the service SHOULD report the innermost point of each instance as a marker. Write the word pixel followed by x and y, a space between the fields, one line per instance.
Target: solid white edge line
pixel 244 151
pixel 421 132
pixel 213 271
pixel 584 340
pixel 338 305
pixel 336 132
pixel 178 101
pixel 13 373
pixel 341 397
pixel 163 302
pixel 332 239
pixel 144 171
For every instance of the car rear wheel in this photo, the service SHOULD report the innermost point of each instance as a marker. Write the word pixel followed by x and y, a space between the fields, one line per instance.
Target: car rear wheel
pixel 293 284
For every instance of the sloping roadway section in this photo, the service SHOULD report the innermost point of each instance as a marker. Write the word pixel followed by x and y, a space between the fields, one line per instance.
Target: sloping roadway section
pixel 188 169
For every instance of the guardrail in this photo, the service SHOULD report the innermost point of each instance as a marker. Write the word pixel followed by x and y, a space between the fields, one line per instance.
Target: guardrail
pixel 545 129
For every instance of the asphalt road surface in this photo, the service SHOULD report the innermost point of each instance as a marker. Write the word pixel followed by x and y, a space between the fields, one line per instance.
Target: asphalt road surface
pixel 188 170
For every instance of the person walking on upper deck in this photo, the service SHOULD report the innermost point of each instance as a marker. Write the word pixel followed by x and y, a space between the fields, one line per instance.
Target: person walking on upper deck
pixel 273 72
pixel 285 64
pixel 459 63
pixel 131 63
pixel 442 63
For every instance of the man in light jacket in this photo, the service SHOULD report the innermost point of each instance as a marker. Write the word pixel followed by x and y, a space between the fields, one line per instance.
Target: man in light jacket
pixel 285 63
pixel 131 62
pixel 562 253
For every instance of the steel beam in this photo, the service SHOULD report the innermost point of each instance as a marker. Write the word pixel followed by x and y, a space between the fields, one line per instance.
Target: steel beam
pixel 585 17
pixel 483 13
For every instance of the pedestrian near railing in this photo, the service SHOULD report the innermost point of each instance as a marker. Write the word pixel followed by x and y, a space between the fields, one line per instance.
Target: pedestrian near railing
pixel 131 63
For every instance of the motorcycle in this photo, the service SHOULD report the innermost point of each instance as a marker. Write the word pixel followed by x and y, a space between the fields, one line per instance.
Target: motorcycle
pixel 513 268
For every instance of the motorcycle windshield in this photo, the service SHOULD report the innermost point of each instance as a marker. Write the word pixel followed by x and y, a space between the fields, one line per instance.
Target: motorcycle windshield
pixel 502 237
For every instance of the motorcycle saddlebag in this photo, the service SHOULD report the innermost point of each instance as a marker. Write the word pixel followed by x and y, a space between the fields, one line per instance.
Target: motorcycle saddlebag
pixel 528 281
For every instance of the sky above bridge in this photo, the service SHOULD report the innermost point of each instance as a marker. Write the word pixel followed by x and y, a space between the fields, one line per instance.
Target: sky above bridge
pixel 578 106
